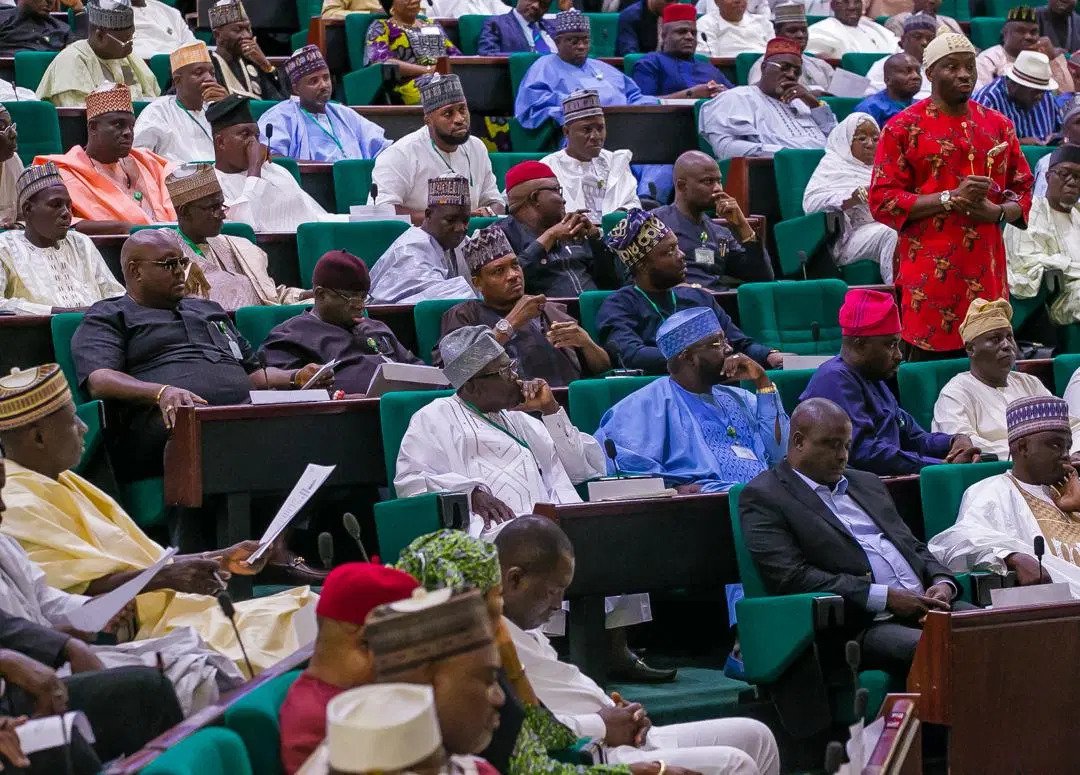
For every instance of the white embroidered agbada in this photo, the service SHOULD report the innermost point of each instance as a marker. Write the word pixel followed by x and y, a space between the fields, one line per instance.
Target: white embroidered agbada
pixel 838 174
pixel 159 29
pixel 1051 241
pixel 817 75
pixel 967 405
pixel 600 186
pixel 454 9
pixel 271 201
pixel 718 37
pixel 33 280
pixel 745 121
pixel 416 267
pixel 831 38
pixel 169 129
pixel 996 520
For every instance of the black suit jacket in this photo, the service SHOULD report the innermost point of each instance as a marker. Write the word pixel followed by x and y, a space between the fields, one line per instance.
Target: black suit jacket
pixel 799 545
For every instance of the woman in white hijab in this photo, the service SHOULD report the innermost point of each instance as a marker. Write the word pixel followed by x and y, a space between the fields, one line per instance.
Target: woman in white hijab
pixel 839 185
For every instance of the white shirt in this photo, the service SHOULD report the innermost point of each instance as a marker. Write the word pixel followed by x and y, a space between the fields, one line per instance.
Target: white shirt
pixel 600 186
pixel 717 37
pixel 453 9
pixel 757 7
pixel 745 121
pixel 271 201
pixel 33 280
pixel 402 171
pixel 832 38
pixel 169 129
pixel 159 29
pixel 416 267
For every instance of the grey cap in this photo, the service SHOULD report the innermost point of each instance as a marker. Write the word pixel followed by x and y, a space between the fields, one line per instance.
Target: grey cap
pixel 466 351
pixel 111 14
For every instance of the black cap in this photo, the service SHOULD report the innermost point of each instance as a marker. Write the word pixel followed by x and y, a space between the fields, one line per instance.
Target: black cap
pixel 230 111
pixel 1065 153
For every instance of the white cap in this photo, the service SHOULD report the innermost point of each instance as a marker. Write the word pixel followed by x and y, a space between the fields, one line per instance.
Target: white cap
pixel 1032 69
pixel 388 726
pixel 944 43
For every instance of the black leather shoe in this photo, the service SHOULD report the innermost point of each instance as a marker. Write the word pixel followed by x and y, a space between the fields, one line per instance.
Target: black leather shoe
pixel 294 572
pixel 638 672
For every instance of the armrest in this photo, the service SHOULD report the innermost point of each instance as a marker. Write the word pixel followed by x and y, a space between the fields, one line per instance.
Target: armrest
pixel 399 521
pixel 774 631
pixel 797 239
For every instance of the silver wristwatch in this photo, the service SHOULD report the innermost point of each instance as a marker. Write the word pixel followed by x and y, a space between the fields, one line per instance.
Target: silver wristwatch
pixel 946 199
pixel 504 328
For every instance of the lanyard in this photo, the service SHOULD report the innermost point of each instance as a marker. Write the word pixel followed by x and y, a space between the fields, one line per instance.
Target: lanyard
pixel 328 132
pixel 447 163
pixel 496 426
pixel 652 303
pixel 191 244
pixel 193 119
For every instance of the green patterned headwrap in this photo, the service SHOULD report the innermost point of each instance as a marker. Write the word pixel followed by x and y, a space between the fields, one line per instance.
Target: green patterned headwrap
pixel 452 558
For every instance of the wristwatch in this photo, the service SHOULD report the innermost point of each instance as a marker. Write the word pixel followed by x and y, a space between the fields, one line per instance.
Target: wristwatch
pixel 946 200
pixel 503 327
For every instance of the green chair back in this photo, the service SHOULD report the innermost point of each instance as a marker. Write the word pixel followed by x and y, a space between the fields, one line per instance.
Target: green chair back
pixel 1064 367
pixel 305 9
pixel 40 133
pixel 356 27
pixel 427 317
pixel 942 487
pixel 162 70
pixel 258 107
pixel 254 717
pixel 793 168
pixel 785 314
pixel 790 384
pixel 395 411
pixel 610 220
pixel 753 586
pixel 957 9
pixel 861 272
pixel 703 145
pixel 1035 152
pixel 63 326
pixel 524 140
pixel 478 222
pixel 1001 8
pixel 30 67
pixel 363 86
pixel 231 228
pixel 469 28
pixel 210 751
pixel 591 398
pixel 588 305
pixel 352 182
pixel 798 239
pixel 986 31
pixel 502 161
pixel 604 32
pixel 842 107
pixel 859 62
pixel 366 239
pixel 744 63
pixel 921 383
pixel 292 165
pixel 256 323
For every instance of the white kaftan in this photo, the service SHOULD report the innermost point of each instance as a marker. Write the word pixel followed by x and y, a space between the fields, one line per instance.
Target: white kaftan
pixel 9 175
pixel 817 75
pixel 169 129
pixel 33 280
pixel 159 29
pixel 602 185
pixel 416 267
pixel 718 37
pixel 1051 241
pixel 271 201
pixel 745 121
pixel 832 38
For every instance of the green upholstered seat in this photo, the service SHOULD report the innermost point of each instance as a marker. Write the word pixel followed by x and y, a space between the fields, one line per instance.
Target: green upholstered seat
pixel 786 314
pixel 921 383
pixel 366 239
pixel 1035 152
pixel 862 272
pixel 210 751
pixel 427 317
pixel 400 521
pixel 162 70
pixel 590 398
pixel 588 305
pixel 604 30
pixel 478 222
pixel 356 27
pixel 610 220
pixel 842 107
pixel 790 384
pixel 793 168
pixel 986 31
pixel 352 182
pixel 292 165
pixel 522 140
pixel 258 107
pixel 697 694
pixel 469 27
pixel 703 145
pixel 30 67
pixel 859 62
pixel 1064 367
pixel 798 239
pixel 502 161
pixel 363 86
pixel 957 9
pixel 942 487
pixel 395 411
pixel 305 9
pixel 39 127
pixel 1001 8
pixel 256 323
pixel 744 63
pixel 254 717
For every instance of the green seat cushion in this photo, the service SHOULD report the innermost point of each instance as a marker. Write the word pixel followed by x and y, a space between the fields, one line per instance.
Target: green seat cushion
pixel 744 63
pixel 842 107
pixel 395 411
pixel 427 317
pixel 1064 367
pixel 254 717
pixel 210 751
pixel 986 31
pixel 366 239
pixel 785 314
pixel 470 26
pixel 502 161
pixel 921 383
pixel 588 306
pixel 793 168
pixel 859 62
pixel 30 67
pixel 698 693
pixel 591 398
pixel 798 240
pixel 356 27
pixel 39 126
pixel 942 487
pixel 352 182
pixel 256 323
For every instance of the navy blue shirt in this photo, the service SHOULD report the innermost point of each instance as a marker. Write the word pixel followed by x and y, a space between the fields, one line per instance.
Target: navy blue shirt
pixel 637 30
pixel 727 257
pixel 659 73
pixel 881 106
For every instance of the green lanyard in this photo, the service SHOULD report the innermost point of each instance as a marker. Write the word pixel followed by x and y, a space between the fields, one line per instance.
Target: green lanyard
pixel 447 163
pixel 328 132
pixel 194 120
pixel 191 244
pixel 496 426
pixel 652 303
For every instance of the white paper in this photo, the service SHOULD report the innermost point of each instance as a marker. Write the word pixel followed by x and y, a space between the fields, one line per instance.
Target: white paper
pixel 367 212
pixel 264 397
pixel 99 611
pixel 1012 597
pixel 405 376
pixel 323 370
pixel 859 751
pixel 41 734
pixel 793 361
pixel 845 84
pixel 310 481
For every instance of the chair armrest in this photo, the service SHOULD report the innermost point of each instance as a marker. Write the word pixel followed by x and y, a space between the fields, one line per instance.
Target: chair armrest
pixel 774 631
pixel 399 521
pixel 586 751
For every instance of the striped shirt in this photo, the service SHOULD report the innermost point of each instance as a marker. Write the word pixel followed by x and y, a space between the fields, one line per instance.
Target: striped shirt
pixel 1040 121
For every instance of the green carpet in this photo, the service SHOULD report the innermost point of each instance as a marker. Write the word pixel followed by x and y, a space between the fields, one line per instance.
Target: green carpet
pixel 697 693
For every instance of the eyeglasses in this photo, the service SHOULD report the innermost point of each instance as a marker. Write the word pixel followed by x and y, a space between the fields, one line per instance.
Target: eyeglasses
pixel 352 299
pixel 1065 176
pixel 125 43
pixel 172 264
pixel 509 371
pixel 212 208
pixel 556 189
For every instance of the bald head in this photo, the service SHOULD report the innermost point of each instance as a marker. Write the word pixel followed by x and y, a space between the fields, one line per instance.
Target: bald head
pixel 155 267
pixel 537 562
pixel 532 542
pixel 697 182
pixel 819 441
pixel 903 76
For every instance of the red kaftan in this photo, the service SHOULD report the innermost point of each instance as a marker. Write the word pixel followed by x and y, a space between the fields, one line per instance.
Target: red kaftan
pixel 945 261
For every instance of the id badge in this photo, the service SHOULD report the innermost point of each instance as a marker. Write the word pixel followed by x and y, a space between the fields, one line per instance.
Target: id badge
pixel 234 348
pixel 431 30
pixel 744 453
pixel 704 256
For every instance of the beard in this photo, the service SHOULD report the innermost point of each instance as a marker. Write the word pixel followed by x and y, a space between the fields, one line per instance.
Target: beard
pixel 453 139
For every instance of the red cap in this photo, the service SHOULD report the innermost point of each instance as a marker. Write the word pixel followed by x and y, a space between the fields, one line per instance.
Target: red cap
pixel 352 590
pixel 778 46
pixel 869 313
pixel 526 171
pixel 679 12
pixel 341 271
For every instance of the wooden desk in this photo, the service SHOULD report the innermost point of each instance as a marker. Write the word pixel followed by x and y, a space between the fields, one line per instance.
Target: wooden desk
pixel 655 134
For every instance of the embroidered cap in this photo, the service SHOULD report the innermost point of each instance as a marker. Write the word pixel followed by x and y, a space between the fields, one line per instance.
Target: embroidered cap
pixel 983 316
pixel 921 21
pixel 1022 13
pixel 110 14
pixel 226 12
pixel 467 350
pixel 789 13
pixel 1066 153
pixel 679 12
pixel 386 727
pixel 352 590
pixel 449 189
pixel 1035 414
pixel 869 313
pixel 1032 69
pixel 684 329
pixel 781 46
pixel 27 395
pixel 582 103
pixel 571 22
pixel 190 183
pixel 634 236
pixel 437 91
pixel 452 559
pixel 307 60
pixel 485 246
pixel 943 44
pixel 35 179
pixel 191 54
pixel 108 98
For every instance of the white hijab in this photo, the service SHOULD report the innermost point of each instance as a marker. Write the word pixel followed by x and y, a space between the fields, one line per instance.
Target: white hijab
pixel 839 173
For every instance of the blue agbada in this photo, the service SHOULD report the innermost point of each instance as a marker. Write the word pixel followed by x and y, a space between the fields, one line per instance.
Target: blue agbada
pixel 704 439
pixel 340 133
pixel 659 73
pixel 885 439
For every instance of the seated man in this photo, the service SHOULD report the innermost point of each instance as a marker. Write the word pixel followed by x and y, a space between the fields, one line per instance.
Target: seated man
pixel 336 327
pixel 341 658
pixel 86 545
pixel 1060 24
pixel 28 25
pixel 339 9
pixel 848 29
pixel 257 192
pixel 1001 515
pixel 11 167
pixel 812 524
pixel 715 257
pixel 918 31
pixel 442 145
pixel 553 77
pixel 593 179
pixel 896 22
pixel 425 262
pixel 779 112
pixel 628 319
pixel 1070 135
pixel 175 125
pixel 311 127
pixel 1021 33
pixel 522 28
pixel 159 28
pixel 239 64
pixel 1025 96
pixel 974 402
pixel 112 185
pixel 231 271
pixel 729 29
pixel 105 56
pixel 789 21
pixel 713 435
pixel 639 23
pixel 1052 237
pixel 561 253
pixel 537 563
pixel 674 71
pixel 885 439
pixel 47 266
pixel 903 79
pixel 542 339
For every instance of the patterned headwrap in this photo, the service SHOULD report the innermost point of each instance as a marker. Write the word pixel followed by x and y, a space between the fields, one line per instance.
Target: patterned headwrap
pixel 1022 13
pixel 634 236
pixel 467 350
pixel 452 559
pixel 226 12
pixel 571 22
pixel 449 189
pixel 485 246
pixel 191 182
pixel 581 104
pixel 307 60
pixel 437 91
pixel 34 179
pixel 110 14
pixel 28 395
pixel 944 44
pixel 191 54
pixel 983 316
pixel 1035 414
pixel 789 13
pixel 685 328
pixel 780 46
pixel 109 98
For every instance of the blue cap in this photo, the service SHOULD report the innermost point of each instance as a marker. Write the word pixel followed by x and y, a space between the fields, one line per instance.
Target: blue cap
pixel 685 328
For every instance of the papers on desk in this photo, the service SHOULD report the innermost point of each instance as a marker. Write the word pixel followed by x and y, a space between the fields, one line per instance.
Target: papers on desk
pixel 405 376
pixel 845 84
pixel 310 481
pixel 99 611
pixel 266 397
pixel 678 101
pixel 627 488
pixel 793 361
pixel 41 734
pixel 376 213
pixel 1012 597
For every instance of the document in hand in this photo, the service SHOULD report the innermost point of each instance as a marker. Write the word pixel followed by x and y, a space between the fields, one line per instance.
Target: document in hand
pixel 99 611
pixel 310 481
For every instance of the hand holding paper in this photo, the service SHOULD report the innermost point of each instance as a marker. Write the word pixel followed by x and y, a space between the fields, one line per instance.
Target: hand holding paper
pixel 96 614
pixel 310 481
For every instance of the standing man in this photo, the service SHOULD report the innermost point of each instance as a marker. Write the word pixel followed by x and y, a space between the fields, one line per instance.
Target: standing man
pixel 789 21
pixel 673 71
pixel 639 24
pixel 948 172
pixel 1021 33
pixel 239 63
pixel 28 26
pixel 523 28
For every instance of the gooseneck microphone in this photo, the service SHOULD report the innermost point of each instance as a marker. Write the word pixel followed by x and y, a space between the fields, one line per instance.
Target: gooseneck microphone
pixel 326 550
pixel 1040 550
pixel 609 450
pixel 352 527
pixel 834 757
pixel 227 608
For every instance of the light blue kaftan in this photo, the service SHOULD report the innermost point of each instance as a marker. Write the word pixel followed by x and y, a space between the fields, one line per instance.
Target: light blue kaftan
pixel 340 133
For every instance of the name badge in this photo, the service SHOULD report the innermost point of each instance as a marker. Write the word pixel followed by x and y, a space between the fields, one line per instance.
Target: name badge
pixel 234 348
pixel 704 256
pixel 744 453
pixel 431 30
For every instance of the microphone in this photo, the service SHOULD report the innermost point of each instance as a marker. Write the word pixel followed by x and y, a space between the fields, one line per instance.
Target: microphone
pixel 862 698
pixel 815 331
pixel 352 527
pixel 834 757
pixel 374 192
pixel 227 608
pixel 326 550
pixel 853 656
pixel 652 191
pixel 1040 550
pixel 609 450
